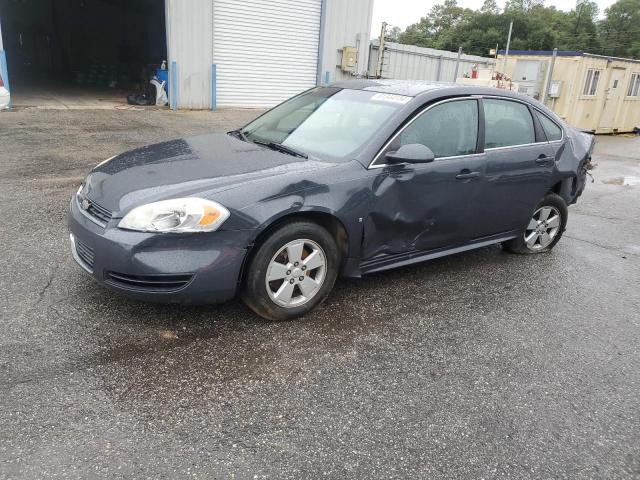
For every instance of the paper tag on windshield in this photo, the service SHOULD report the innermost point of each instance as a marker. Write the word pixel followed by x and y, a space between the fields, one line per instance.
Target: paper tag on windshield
pixel 391 98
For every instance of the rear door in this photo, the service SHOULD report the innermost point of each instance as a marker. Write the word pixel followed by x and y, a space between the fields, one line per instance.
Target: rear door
pixel 520 165
pixel 427 206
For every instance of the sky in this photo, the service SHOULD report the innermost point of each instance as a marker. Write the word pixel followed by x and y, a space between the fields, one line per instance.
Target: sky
pixel 401 13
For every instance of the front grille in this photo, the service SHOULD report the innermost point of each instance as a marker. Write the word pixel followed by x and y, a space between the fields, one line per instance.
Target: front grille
pixel 85 253
pixel 149 283
pixel 98 212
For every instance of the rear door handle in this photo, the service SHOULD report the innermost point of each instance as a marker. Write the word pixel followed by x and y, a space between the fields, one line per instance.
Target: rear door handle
pixel 467 175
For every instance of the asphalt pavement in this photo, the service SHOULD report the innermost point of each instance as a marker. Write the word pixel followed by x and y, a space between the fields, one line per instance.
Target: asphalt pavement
pixel 479 365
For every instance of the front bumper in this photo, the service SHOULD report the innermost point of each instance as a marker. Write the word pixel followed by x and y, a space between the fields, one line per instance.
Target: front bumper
pixel 176 268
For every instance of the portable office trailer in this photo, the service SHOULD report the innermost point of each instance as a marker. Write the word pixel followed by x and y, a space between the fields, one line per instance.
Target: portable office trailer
pixel 593 92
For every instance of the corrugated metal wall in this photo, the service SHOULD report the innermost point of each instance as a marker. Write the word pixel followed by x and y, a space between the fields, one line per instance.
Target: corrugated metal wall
pixel 266 51
pixel 408 62
pixel 191 32
pixel 189 43
pixel 346 24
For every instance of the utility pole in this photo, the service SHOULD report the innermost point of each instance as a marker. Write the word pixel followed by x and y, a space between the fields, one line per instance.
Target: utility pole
pixel 547 84
pixel 506 52
pixel 383 32
pixel 579 5
pixel 455 74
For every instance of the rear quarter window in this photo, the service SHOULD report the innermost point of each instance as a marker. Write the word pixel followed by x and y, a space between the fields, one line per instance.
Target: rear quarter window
pixel 551 129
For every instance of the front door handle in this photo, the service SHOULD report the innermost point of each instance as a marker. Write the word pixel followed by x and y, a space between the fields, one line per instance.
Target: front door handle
pixel 466 175
pixel 543 160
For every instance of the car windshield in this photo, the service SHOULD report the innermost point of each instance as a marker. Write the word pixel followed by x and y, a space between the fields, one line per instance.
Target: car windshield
pixel 326 122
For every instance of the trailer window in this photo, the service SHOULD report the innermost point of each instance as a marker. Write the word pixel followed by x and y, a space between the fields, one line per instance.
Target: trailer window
pixel 591 82
pixel 634 86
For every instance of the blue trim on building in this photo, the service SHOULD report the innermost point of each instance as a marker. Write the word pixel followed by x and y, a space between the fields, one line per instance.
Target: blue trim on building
pixel 568 53
pixel 323 18
pixel 214 85
pixel 174 85
pixel 4 71
pixel 327 78
pixel 561 53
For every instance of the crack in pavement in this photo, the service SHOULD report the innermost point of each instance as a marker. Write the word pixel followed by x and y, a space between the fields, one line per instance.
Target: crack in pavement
pixel 617 219
pixel 616 249
pixel 44 289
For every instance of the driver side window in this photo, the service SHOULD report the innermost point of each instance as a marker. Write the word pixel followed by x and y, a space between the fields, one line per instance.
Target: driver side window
pixel 448 129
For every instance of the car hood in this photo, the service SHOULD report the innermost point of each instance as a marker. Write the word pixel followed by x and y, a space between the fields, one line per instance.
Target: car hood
pixel 206 165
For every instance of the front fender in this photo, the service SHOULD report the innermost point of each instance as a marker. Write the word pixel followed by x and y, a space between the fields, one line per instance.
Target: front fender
pixel 345 202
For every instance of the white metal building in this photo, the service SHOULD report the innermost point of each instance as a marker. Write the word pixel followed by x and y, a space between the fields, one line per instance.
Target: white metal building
pixel 408 62
pixel 264 51
pixel 220 53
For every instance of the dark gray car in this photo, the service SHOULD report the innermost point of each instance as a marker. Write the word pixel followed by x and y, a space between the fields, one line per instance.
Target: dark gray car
pixel 348 179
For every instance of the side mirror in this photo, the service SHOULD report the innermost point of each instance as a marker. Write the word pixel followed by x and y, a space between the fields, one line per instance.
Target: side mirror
pixel 411 153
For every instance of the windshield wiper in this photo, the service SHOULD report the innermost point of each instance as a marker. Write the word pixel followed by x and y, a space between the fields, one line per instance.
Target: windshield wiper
pixel 239 133
pixel 282 148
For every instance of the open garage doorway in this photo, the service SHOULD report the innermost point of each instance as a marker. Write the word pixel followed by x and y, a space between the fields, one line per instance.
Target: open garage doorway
pixel 81 53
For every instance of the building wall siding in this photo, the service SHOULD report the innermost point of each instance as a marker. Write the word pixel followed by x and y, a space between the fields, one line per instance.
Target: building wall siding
pixel 347 24
pixel 189 44
pixel 266 51
pixel 408 62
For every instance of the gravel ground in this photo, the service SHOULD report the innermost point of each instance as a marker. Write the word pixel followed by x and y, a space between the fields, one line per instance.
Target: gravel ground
pixel 480 365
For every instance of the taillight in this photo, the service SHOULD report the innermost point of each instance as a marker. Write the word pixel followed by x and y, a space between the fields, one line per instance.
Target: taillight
pixel 1 82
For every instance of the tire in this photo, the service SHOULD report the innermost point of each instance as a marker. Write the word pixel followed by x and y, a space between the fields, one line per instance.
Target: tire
pixel 301 258
pixel 550 206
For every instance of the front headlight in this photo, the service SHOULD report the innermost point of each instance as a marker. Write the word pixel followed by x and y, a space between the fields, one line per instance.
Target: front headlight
pixel 177 215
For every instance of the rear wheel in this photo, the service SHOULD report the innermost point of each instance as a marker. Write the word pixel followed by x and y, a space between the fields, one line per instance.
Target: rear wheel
pixel 292 272
pixel 544 229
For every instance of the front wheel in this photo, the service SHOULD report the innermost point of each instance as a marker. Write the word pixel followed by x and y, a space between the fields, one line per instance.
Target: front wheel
pixel 544 229
pixel 292 271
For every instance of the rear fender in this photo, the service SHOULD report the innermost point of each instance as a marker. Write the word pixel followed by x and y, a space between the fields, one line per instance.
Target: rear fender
pixel 574 163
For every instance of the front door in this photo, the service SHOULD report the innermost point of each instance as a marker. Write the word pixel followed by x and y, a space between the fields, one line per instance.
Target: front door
pixel 417 207
pixel 613 93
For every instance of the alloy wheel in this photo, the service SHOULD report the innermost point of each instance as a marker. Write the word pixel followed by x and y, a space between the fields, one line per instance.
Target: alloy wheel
pixel 543 228
pixel 296 273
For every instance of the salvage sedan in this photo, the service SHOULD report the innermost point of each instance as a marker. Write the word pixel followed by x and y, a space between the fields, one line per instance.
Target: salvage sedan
pixel 348 179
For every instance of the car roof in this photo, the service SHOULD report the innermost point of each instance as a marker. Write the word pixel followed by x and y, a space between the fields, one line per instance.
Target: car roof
pixel 414 88
pixel 409 88
pixel 431 90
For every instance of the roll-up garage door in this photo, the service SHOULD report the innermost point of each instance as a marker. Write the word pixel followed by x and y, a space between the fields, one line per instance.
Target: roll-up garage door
pixel 265 50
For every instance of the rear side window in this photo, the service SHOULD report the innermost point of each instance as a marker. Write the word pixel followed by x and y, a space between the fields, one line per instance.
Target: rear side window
pixel 507 123
pixel 553 131
pixel 448 129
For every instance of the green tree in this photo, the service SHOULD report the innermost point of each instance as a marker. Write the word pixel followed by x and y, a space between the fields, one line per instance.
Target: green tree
pixel 620 30
pixel 490 6
pixel 393 35
pixel 522 5
pixel 535 27
pixel 418 34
